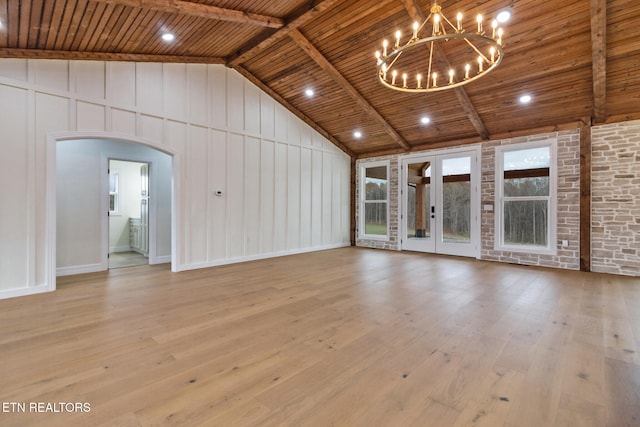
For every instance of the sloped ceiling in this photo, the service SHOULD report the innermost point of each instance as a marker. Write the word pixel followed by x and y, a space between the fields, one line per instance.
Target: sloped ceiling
pixel 578 59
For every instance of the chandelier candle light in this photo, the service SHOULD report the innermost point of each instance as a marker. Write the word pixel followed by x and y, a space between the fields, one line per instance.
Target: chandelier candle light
pixel 419 56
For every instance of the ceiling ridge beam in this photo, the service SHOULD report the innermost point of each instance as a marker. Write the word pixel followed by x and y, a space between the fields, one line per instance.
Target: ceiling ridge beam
pixel 201 11
pixel 105 56
pixel 599 58
pixel 263 42
pixel 328 68
pixel 253 79
pixel 413 9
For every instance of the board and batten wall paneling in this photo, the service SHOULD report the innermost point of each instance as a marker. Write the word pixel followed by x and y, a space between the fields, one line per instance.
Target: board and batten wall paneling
pixel 293 198
pixel 175 88
pixel 251 180
pixel 280 198
pixel 267 116
pixel 196 181
pixel 305 197
pixel 121 84
pixel 252 196
pixel 90 79
pixel 235 196
pixel 267 195
pixel 150 91
pixel 197 80
pixel 316 198
pixel 15 192
pixel 217 212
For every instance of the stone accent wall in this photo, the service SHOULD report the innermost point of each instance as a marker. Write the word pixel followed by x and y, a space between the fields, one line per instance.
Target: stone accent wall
pixel 615 198
pixel 394 209
pixel 568 207
pixel 568 203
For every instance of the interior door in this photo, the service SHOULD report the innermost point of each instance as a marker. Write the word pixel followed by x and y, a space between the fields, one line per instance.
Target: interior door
pixel 441 204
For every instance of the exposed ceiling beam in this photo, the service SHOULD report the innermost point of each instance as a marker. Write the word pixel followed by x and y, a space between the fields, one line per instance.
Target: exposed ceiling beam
pixel 328 68
pixel 599 58
pixel 253 79
pixel 104 56
pixel 261 43
pixel 416 14
pixel 201 10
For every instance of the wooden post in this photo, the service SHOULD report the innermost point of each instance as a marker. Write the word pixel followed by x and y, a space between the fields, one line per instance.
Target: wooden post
pixel 585 194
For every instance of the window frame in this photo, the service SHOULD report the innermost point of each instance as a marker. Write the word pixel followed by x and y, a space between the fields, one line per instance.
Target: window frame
pixel 115 194
pixel 364 202
pixel 499 245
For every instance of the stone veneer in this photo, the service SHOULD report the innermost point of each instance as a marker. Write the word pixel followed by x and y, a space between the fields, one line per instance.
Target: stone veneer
pixel 615 198
pixel 568 208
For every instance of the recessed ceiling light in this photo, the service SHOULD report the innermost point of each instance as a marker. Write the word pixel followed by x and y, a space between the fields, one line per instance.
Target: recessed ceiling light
pixel 168 37
pixel 309 92
pixel 357 134
pixel 503 16
pixel 525 99
pixel 425 120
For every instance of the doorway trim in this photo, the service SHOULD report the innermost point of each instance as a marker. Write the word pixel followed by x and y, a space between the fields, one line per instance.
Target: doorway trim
pixel 152 206
pixel 51 197
pixel 475 207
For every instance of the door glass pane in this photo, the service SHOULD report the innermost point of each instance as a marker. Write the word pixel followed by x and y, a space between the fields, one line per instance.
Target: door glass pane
pixel 419 200
pixel 456 200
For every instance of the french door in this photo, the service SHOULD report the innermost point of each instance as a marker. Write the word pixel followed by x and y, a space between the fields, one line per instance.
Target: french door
pixel 440 203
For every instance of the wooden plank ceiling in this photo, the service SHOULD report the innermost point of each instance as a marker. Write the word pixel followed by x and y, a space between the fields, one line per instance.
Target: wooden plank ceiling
pixel 578 59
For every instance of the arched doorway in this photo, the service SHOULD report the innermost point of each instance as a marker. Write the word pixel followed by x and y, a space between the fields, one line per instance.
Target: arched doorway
pixel 77 225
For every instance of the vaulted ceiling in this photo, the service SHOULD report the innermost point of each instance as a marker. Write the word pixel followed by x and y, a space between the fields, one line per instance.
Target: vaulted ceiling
pixel 578 59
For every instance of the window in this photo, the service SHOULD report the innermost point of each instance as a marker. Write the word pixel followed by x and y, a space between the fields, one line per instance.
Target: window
pixel 526 197
pixel 114 184
pixel 374 207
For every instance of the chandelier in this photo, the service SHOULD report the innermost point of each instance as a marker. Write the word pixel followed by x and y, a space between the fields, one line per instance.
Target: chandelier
pixel 422 63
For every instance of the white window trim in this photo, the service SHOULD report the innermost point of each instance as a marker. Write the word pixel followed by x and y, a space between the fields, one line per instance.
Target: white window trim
pixel 552 244
pixel 116 211
pixel 361 219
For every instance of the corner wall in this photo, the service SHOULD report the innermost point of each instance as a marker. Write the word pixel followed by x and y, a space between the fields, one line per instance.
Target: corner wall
pixel 615 198
pixel 285 188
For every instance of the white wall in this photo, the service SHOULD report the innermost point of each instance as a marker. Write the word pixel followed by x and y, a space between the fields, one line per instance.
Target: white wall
pixel 285 187
pixel 81 186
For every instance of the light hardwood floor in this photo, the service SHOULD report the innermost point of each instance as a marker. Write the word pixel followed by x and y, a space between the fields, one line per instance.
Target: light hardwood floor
pixel 346 337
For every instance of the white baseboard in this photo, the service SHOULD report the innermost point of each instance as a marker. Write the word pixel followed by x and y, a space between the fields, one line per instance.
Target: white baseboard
pixel 236 260
pixel 160 260
pixel 80 269
pixel 20 292
pixel 120 249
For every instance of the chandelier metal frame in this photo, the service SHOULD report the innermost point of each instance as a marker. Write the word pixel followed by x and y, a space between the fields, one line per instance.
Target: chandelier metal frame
pixel 485 61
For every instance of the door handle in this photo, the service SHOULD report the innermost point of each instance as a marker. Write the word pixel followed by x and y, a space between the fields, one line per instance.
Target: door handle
pixel 433 211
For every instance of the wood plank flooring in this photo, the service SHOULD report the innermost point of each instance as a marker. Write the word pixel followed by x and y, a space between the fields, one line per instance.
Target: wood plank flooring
pixel 346 337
